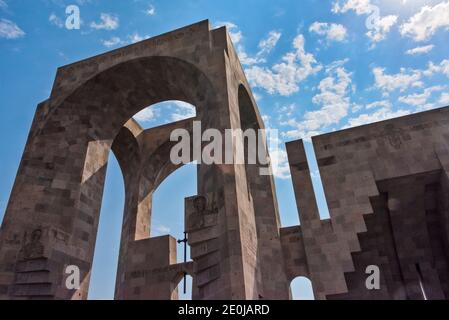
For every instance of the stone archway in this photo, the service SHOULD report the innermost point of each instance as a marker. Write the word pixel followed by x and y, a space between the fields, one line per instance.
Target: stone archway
pixel 59 184
pixel 150 166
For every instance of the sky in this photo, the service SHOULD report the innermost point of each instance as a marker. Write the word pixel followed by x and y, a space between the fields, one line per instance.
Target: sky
pixel 314 66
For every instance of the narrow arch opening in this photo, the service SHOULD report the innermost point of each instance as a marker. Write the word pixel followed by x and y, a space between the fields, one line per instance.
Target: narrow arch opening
pixel 317 183
pixel 301 289
pixel 249 121
pixel 104 268
pixel 167 209
pixel 167 216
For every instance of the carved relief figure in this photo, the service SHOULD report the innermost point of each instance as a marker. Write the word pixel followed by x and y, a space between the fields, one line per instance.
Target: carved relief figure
pixel 394 136
pixel 199 204
pixel 201 209
pixel 33 249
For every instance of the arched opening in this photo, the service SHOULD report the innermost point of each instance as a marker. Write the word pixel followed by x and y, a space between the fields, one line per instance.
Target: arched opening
pixel 104 268
pixel 250 125
pixel 165 207
pixel 301 289
pixel 167 216
pixel 166 78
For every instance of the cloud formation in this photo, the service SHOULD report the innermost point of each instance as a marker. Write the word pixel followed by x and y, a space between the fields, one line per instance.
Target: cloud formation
pixel 10 30
pixel 424 24
pixel 378 26
pixel 333 101
pixel 151 11
pixel 400 81
pixel 331 31
pixel 420 50
pixel 284 78
pixel 107 22
pixel 56 21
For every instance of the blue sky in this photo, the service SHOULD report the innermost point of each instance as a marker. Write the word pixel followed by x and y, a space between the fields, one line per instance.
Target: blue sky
pixel 315 66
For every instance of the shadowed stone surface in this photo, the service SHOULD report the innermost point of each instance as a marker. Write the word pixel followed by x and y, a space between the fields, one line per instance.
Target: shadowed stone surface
pixel 386 189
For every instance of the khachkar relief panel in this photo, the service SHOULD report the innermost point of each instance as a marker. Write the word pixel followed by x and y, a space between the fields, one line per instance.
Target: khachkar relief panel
pixel 33 248
pixel 38 243
pixel 35 275
pixel 202 215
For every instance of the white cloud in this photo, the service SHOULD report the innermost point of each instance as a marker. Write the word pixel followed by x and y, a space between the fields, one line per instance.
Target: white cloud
pixel 183 111
pixel 356 107
pixel 424 24
pixel 419 99
pixel 420 50
pixel 287 110
pixel 444 99
pixel 108 22
pixel 56 21
pixel 278 156
pixel 3 4
pixel 381 27
pixel 407 78
pixel 378 26
pixel 113 41
pixel 159 229
pixel 245 59
pixel 151 11
pixel 426 107
pixel 145 115
pixel 377 104
pixel 379 115
pixel 284 78
pixel 234 32
pixel 332 31
pixel 360 7
pixel 432 68
pixel 236 37
pixel 10 30
pixel 332 98
pixel 280 165
pixel 132 38
pixel 173 110
pixel 400 81
pixel 267 44
pixel 334 103
pixel 135 37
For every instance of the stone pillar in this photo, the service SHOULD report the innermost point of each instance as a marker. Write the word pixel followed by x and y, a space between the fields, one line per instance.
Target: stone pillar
pixel 52 216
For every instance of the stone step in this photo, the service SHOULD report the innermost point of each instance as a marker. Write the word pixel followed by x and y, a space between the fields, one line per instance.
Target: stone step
pixel 33 290
pixel 33 277
pixel 207 261
pixel 203 235
pixel 208 275
pixel 204 248
pixel 33 265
